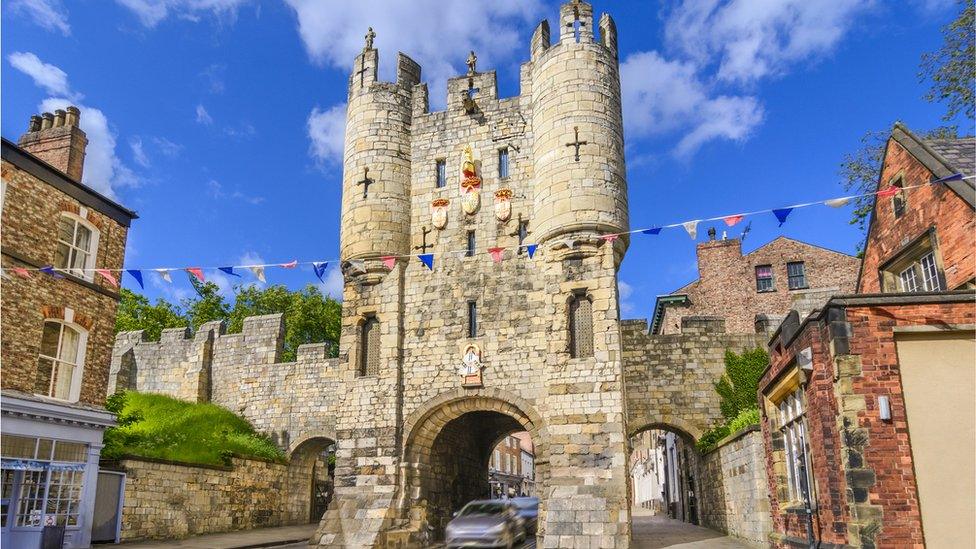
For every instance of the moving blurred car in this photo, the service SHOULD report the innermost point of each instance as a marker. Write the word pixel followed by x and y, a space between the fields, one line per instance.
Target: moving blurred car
pixel 485 523
pixel 528 509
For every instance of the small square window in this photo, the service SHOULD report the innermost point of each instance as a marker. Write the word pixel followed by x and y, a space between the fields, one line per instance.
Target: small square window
pixel 764 278
pixel 503 163
pixel 441 173
pixel 796 271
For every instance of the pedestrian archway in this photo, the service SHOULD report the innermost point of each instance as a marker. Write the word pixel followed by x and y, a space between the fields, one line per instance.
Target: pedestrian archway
pixel 665 473
pixel 311 474
pixel 449 448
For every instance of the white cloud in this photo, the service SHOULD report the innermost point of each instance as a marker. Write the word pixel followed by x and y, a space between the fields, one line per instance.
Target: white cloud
pixel 326 130
pixel 47 76
pixel 167 147
pixel 47 14
pixel 216 191
pixel 152 12
pixel 138 153
pixel 333 284
pixel 751 39
pixel 661 96
pixel 203 117
pixel 436 34
pixel 625 290
pixel 104 171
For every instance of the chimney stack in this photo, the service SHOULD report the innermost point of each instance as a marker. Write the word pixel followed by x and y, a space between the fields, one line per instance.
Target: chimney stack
pixel 57 140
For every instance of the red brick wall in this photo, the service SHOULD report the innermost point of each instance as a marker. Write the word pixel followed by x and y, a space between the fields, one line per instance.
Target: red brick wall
pixel 882 448
pixel 727 283
pixel 31 209
pixel 931 205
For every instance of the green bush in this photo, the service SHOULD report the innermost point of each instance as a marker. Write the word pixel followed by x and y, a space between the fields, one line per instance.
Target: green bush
pixel 711 438
pixel 162 427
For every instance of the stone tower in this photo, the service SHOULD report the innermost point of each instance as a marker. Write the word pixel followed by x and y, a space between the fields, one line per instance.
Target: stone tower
pixel 438 365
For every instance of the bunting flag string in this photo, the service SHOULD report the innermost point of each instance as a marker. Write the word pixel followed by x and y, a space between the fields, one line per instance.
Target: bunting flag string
pixel 496 253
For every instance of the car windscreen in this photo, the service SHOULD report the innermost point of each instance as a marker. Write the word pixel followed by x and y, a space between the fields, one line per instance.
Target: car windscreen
pixel 483 509
pixel 526 503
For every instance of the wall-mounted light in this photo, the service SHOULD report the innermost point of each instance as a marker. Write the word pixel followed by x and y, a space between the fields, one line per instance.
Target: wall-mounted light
pixel 884 408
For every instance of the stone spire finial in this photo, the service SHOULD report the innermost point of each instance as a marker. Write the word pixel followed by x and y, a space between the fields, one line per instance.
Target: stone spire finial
pixel 370 35
pixel 472 62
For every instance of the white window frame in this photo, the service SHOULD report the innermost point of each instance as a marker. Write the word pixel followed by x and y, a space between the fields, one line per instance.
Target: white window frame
pixel 792 419
pixel 930 273
pixel 77 374
pixel 86 272
pixel 908 279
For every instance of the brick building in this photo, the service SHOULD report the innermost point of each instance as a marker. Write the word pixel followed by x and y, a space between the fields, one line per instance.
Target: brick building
pixel 868 403
pixel 505 473
pixel 57 330
pixel 753 292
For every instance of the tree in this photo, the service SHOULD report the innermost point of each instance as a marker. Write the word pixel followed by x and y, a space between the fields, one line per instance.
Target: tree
pixel 309 316
pixel 207 306
pixel 860 170
pixel 952 69
pixel 135 313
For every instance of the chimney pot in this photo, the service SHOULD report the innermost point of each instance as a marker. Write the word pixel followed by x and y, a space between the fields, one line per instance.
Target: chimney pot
pixel 73 116
pixel 35 123
pixel 47 120
pixel 59 118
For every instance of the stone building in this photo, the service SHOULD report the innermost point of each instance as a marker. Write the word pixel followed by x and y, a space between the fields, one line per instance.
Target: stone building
pixel 505 474
pixel 868 403
pixel 754 291
pixel 56 330
pixel 516 327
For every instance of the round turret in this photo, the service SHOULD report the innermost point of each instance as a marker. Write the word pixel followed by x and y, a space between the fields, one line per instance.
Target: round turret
pixel 376 164
pixel 578 155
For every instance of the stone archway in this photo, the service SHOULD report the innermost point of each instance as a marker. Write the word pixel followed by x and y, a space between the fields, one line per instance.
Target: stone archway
pixel 665 474
pixel 310 479
pixel 446 452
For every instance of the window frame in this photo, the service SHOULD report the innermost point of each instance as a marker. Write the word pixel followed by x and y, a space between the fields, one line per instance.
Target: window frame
pixel 45 490
pixel 575 350
pixel 471 244
pixel 504 163
pixel 786 408
pixel 363 367
pixel 803 285
pixel 772 279
pixel 472 318
pixel 899 200
pixel 910 260
pixel 78 367
pixel 440 173
pixel 86 271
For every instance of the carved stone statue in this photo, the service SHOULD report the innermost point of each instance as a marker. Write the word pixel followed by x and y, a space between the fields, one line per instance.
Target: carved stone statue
pixel 370 35
pixel 472 62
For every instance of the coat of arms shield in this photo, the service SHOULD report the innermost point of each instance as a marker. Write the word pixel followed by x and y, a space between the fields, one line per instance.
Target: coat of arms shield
pixel 438 212
pixel 503 204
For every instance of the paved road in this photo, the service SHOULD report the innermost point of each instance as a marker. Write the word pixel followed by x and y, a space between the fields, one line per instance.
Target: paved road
pixel 653 532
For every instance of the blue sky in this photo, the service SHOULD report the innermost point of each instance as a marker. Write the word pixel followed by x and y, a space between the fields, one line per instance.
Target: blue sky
pixel 220 121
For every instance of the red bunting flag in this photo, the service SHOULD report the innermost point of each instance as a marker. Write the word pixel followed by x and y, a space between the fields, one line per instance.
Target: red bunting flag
pixel 197 272
pixel 290 265
pixel 889 192
pixel 732 219
pixel 610 237
pixel 496 254
pixel 21 272
pixel 389 261
pixel 107 275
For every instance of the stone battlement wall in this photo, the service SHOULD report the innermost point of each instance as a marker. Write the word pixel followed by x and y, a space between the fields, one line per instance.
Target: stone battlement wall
pixel 670 379
pixel 241 372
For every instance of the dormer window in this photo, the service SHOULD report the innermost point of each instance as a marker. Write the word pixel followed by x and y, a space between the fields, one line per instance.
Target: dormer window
pixel 77 241
pixel 917 268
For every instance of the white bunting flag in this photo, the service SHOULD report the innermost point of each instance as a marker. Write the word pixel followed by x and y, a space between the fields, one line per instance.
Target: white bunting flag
pixel 164 274
pixel 838 202
pixel 692 228
pixel 258 271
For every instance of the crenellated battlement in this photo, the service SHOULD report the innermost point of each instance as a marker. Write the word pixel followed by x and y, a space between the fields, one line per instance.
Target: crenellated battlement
pixel 242 372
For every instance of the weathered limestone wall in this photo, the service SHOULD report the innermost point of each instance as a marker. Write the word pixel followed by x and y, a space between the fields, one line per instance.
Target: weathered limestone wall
pixel 734 491
pixel 167 500
pixel 240 372
pixel 670 378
